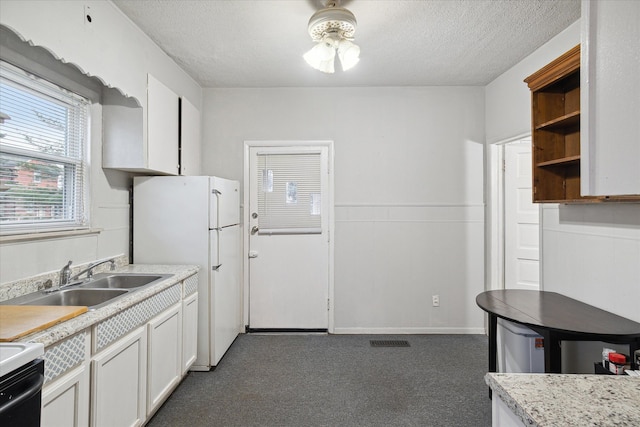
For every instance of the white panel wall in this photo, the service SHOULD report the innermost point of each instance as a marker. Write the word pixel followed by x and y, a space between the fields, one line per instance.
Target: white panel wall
pixel 408 192
pixel 592 253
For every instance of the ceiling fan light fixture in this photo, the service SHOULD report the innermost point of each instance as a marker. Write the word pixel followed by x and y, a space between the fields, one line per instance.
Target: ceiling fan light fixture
pixel 333 29
pixel 322 56
pixel 349 54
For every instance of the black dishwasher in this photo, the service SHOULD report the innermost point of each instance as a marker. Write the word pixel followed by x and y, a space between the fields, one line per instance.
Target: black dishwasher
pixel 21 395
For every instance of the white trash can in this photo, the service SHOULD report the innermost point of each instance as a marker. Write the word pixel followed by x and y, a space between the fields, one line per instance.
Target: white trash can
pixel 520 350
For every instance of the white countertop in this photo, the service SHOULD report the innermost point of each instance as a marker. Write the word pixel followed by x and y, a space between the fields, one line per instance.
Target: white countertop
pixel 569 400
pixel 67 328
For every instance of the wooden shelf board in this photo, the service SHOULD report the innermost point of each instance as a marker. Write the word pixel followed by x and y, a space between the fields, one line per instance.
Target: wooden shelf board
pixel 561 122
pixel 573 201
pixel 560 162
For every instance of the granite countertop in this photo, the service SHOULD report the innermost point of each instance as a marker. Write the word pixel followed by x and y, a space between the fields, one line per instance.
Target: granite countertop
pixel 569 400
pixel 67 328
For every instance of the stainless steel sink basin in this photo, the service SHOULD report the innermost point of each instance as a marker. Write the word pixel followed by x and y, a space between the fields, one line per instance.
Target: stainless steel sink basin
pixel 92 298
pixel 122 281
pixel 102 289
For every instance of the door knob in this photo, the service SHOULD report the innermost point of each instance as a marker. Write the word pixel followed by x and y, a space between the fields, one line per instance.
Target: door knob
pixel 254 229
pixel 253 254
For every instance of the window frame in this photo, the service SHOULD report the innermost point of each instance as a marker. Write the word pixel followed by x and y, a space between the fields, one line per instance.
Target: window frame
pixel 76 169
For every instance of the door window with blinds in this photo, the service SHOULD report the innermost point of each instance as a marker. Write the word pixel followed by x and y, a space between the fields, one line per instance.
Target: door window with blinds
pixel 43 154
pixel 289 193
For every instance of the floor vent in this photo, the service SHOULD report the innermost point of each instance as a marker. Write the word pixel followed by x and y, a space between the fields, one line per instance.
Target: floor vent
pixel 389 343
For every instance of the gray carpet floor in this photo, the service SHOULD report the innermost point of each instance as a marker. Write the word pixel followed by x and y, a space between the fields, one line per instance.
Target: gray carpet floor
pixel 337 380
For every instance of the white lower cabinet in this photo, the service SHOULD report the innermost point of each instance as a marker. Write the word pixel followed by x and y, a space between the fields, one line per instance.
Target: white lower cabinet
pixel 118 382
pixel 189 331
pixel 65 402
pixel 502 415
pixel 140 355
pixel 165 356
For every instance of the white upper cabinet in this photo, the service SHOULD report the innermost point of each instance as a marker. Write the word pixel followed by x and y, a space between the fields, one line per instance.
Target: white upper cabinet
pixel 129 144
pixel 162 128
pixel 189 138
pixel 610 98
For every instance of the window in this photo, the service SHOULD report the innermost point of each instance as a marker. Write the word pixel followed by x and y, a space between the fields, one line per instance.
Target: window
pixel 290 197
pixel 43 154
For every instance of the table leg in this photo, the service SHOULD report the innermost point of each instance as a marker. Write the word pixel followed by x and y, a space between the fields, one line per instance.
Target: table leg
pixel 493 343
pixel 552 353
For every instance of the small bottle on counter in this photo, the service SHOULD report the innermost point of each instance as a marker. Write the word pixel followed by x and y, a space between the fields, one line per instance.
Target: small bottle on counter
pixel 605 357
pixel 617 362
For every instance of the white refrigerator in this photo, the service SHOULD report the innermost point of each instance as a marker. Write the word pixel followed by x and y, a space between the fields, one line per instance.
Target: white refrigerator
pixel 195 220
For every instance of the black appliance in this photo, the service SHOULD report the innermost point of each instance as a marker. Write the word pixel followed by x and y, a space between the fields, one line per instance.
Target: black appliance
pixel 21 395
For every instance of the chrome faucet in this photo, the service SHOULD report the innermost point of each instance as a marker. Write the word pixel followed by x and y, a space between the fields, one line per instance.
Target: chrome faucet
pixel 89 270
pixel 65 275
pixel 66 279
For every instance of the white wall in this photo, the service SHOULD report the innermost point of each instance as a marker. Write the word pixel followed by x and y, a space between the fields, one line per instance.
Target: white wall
pixel 408 192
pixel 119 54
pixel 508 116
pixel 508 99
pixel 592 253
pixel 110 47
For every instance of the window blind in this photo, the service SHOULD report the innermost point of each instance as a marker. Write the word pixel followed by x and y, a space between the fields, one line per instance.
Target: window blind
pixel 43 153
pixel 289 193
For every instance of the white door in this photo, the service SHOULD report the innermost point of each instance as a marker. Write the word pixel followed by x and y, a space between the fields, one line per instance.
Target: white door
pixel 521 263
pixel 289 237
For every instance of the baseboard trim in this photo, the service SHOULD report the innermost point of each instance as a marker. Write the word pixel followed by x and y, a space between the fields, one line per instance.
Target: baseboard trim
pixel 407 331
pixel 286 330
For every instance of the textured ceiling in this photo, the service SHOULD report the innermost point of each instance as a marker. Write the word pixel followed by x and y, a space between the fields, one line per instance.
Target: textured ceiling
pixel 260 43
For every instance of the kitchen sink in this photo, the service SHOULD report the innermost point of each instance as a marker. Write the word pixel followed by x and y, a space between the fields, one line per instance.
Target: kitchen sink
pixel 92 298
pixel 122 281
pixel 102 289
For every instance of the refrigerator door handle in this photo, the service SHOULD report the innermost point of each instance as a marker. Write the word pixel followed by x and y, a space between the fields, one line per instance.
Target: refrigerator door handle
pixel 216 192
pixel 216 267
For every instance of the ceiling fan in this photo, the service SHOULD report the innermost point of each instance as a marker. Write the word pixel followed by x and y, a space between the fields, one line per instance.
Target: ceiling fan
pixel 332 29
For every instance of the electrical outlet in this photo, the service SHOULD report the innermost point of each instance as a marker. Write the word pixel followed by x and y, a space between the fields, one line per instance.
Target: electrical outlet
pixel 435 299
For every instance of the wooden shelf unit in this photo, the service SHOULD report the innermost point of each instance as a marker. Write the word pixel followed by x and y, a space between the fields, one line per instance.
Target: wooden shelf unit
pixel 555 122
